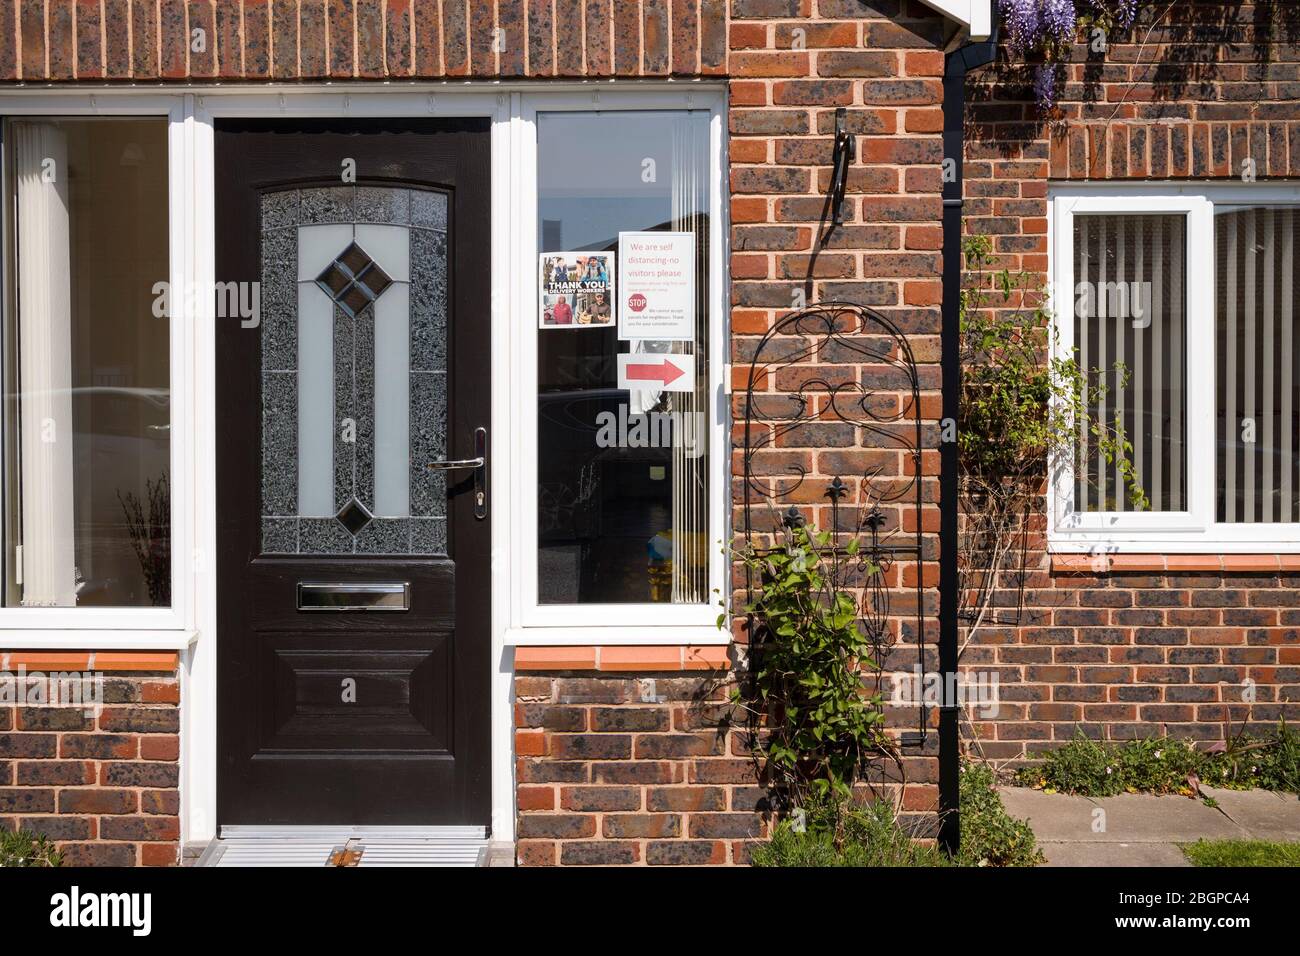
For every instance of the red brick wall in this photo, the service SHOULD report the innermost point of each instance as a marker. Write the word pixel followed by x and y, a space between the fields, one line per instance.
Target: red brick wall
pixel 147 40
pixel 103 787
pixel 643 766
pixel 616 768
pixel 1150 643
pixel 608 771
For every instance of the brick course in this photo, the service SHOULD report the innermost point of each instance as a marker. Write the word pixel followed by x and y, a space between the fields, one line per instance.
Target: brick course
pixel 103 787
pixel 1139 645
pixel 631 770
pixel 156 40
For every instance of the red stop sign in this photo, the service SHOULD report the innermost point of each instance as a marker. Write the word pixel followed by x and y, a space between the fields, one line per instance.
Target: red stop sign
pixel 636 302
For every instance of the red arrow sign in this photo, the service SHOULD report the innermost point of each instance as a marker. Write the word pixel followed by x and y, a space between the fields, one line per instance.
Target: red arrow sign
pixel 664 372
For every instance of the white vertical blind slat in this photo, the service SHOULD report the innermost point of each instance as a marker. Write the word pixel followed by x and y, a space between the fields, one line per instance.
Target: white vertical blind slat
pixel 1158 358
pixel 1177 262
pixel 45 366
pixel 1287 358
pixel 1229 266
pixel 1123 412
pixel 1248 370
pixel 1082 278
pixel 1103 353
pixel 1268 448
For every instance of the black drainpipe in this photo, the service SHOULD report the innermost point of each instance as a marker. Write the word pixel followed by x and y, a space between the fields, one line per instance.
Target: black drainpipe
pixel 956 65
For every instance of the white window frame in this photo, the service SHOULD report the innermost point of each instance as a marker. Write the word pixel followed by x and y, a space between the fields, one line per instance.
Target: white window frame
pixel 580 624
pixel 1195 530
pixel 192 625
pixel 190 114
pixel 129 627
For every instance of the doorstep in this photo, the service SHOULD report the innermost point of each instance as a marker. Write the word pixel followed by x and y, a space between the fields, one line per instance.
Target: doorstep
pixel 354 846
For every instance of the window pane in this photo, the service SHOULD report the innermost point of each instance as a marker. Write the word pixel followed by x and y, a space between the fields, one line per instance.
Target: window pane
pixel 88 416
pixel 1130 317
pixel 623 498
pixel 1255 345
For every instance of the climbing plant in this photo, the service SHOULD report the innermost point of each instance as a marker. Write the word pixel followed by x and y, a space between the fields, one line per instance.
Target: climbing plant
pixel 1024 405
pixel 813 686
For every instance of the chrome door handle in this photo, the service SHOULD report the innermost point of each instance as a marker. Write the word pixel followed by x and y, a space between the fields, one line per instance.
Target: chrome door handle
pixel 479 464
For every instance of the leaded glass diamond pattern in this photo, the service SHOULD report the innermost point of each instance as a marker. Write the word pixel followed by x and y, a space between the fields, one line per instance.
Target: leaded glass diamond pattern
pixel 353 280
pixel 354 517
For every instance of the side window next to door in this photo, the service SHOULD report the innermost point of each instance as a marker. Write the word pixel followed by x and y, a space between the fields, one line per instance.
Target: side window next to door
pixel 623 491
pixel 87 419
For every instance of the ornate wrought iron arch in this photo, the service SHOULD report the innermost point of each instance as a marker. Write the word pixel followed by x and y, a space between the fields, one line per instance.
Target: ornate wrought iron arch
pixel 881 400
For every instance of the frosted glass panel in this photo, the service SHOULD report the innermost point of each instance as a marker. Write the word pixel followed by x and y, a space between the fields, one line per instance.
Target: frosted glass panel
pixel 354 344
pixel 317 247
pixel 315 402
pixel 392 399
pixel 391 247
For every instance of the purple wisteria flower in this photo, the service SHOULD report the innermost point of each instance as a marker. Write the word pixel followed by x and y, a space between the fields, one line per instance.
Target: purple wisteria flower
pixel 1123 12
pixel 1031 23
pixel 1059 20
pixel 1045 28
pixel 1045 85
pixel 1024 19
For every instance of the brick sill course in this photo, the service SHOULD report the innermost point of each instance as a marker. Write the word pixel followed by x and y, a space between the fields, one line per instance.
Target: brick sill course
pixel 133 661
pixel 1220 563
pixel 689 657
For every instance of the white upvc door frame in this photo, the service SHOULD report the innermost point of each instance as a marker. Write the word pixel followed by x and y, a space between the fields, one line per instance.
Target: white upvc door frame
pixel 469 101
pixel 190 626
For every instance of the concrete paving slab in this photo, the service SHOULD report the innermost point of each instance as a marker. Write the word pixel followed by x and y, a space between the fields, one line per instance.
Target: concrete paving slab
pixel 1052 816
pixel 1127 818
pixel 1262 814
pixel 1145 818
pixel 1113 854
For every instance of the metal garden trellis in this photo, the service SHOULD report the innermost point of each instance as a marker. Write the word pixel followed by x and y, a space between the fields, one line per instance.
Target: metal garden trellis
pixel 842 333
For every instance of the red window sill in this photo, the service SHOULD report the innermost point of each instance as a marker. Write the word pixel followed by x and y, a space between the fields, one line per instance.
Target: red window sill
pixel 622 658
pixel 1159 563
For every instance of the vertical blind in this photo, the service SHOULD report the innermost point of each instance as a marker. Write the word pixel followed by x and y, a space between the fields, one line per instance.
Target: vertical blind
pixel 45 365
pixel 1255 346
pixel 1129 328
pixel 690 204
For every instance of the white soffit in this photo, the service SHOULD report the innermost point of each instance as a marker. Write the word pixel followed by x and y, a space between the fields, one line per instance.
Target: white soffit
pixel 975 15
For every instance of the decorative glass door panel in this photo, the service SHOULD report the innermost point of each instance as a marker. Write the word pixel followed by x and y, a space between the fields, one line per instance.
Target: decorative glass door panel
pixel 354 374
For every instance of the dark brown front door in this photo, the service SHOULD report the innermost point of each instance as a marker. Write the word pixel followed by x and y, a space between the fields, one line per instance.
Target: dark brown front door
pixel 368 358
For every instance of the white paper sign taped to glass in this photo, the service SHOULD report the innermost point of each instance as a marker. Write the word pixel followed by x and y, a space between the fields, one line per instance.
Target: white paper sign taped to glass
pixel 657 278
pixel 575 290
pixel 656 371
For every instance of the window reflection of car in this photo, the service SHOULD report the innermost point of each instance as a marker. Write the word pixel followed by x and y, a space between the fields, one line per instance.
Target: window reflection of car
pixel 570 422
pixel 578 478
pixel 121 441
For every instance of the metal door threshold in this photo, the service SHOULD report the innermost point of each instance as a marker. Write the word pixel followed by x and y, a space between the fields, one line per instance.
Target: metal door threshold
pixel 347 846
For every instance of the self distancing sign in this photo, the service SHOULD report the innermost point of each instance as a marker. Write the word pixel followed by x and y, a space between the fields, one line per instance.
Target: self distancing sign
pixel 657 286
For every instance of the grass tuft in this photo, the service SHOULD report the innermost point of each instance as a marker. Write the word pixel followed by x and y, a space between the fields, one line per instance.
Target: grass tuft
pixel 840 834
pixel 1242 853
